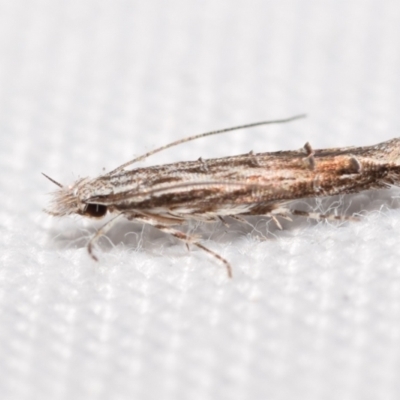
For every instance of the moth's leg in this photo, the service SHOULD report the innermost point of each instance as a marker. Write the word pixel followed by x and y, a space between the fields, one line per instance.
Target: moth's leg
pixel 282 212
pixel 190 240
pixel 101 232
pixel 269 215
pixel 240 219
pixel 319 216
pixel 217 256
pixel 187 239
pixel 258 234
pixel 243 221
pixel 223 221
pixel 277 223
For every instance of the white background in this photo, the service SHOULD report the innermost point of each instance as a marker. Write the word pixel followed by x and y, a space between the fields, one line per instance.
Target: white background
pixel 313 311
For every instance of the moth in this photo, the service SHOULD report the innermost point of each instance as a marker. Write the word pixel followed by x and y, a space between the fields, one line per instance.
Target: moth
pixel 209 190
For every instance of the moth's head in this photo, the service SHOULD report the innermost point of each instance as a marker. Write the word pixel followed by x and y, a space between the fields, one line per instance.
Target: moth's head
pixel 70 200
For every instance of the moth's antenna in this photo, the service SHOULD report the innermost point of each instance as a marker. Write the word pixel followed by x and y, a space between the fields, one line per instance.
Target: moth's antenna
pixel 201 135
pixel 52 180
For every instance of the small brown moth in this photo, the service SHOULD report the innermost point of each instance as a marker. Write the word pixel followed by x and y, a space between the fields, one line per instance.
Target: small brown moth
pixel 264 184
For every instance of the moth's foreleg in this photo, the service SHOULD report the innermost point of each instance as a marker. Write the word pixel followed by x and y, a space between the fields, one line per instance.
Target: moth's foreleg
pixel 101 232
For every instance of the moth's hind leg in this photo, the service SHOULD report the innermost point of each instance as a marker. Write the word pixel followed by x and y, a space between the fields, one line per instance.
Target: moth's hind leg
pixel 320 216
pixel 286 212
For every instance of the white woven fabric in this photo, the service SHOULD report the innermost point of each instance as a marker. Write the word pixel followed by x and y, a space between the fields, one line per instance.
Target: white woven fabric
pixel 313 311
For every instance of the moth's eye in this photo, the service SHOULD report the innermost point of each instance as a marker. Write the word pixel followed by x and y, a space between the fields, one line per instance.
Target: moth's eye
pixel 95 210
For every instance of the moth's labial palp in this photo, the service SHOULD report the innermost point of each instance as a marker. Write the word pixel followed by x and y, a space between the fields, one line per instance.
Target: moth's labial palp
pixel 95 210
